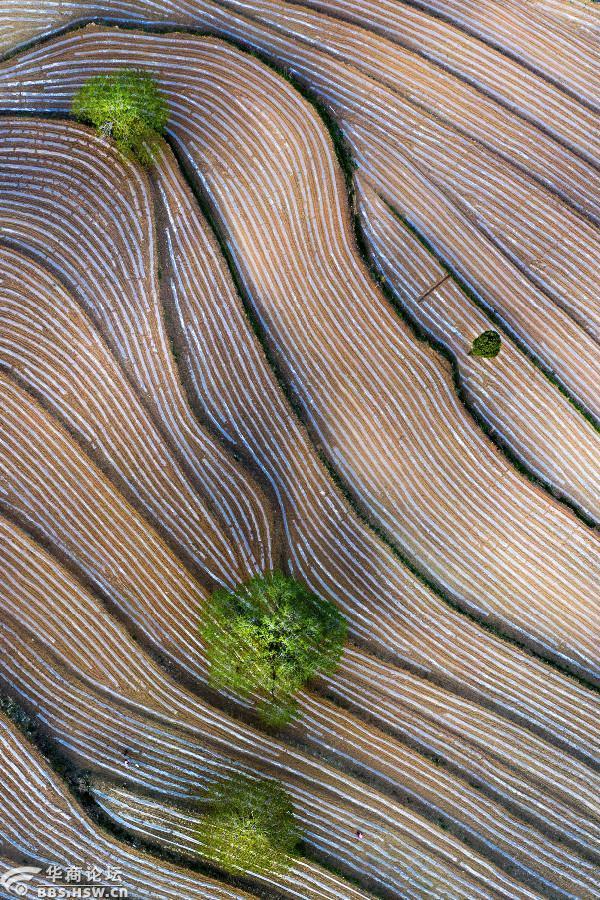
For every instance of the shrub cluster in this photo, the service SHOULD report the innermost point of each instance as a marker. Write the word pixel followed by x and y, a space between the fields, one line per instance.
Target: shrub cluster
pixel 267 638
pixel 486 345
pixel 249 826
pixel 126 106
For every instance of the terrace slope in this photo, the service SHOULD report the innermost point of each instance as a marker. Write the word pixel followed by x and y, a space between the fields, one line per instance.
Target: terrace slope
pixel 418 84
pixel 478 64
pixel 446 46
pixel 111 664
pixel 141 815
pixel 526 547
pixel 180 619
pixel 115 281
pixel 529 36
pixel 401 848
pixel 53 349
pixel 123 545
pixel 168 825
pixel 353 564
pixel 295 208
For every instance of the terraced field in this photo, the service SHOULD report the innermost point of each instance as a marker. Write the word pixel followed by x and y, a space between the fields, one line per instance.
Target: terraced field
pixel 255 354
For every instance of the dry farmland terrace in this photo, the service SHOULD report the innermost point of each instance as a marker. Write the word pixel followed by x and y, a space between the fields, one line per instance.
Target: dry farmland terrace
pixel 255 353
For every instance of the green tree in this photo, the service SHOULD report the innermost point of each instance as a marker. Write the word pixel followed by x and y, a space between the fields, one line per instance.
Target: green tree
pixel 249 826
pixel 267 638
pixel 126 105
pixel 487 345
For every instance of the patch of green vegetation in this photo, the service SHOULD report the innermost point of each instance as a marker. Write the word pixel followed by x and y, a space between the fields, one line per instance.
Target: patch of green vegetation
pixel 127 106
pixel 486 345
pixel 249 827
pixel 267 638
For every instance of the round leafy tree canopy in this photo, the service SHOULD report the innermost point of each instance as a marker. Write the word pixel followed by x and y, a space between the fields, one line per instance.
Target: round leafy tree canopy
pixel 249 826
pixel 269 637
pixel 126 106
pixel 487 345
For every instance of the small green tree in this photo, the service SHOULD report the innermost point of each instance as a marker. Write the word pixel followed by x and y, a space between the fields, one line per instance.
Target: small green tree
pixel 126 106
pixel 487 345
pixel 249 826
pixel 269 637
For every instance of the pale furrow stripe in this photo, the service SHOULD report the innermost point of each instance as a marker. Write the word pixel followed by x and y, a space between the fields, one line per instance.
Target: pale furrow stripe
pixel 176 829
pixel 447 46
pixel 417 82
pixel 558 54
pixel 46 340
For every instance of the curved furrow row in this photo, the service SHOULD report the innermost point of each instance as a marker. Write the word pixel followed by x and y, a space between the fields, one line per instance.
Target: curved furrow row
pixel 449 48
pixel 492 756
pixel 484 824
pixel 40 820
pixel 57 197
pixel 327 546
pixel 57 354
pixel 510 394
pixel 555 338
pixel 30 576
pixel 290 239
pixel 400 848
pixel 440 93
pixel 517 215
pixel 151 818
pixel 477 62
pixel 526 563
pixel 49 483
pixel 562 57
pixel 175 829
